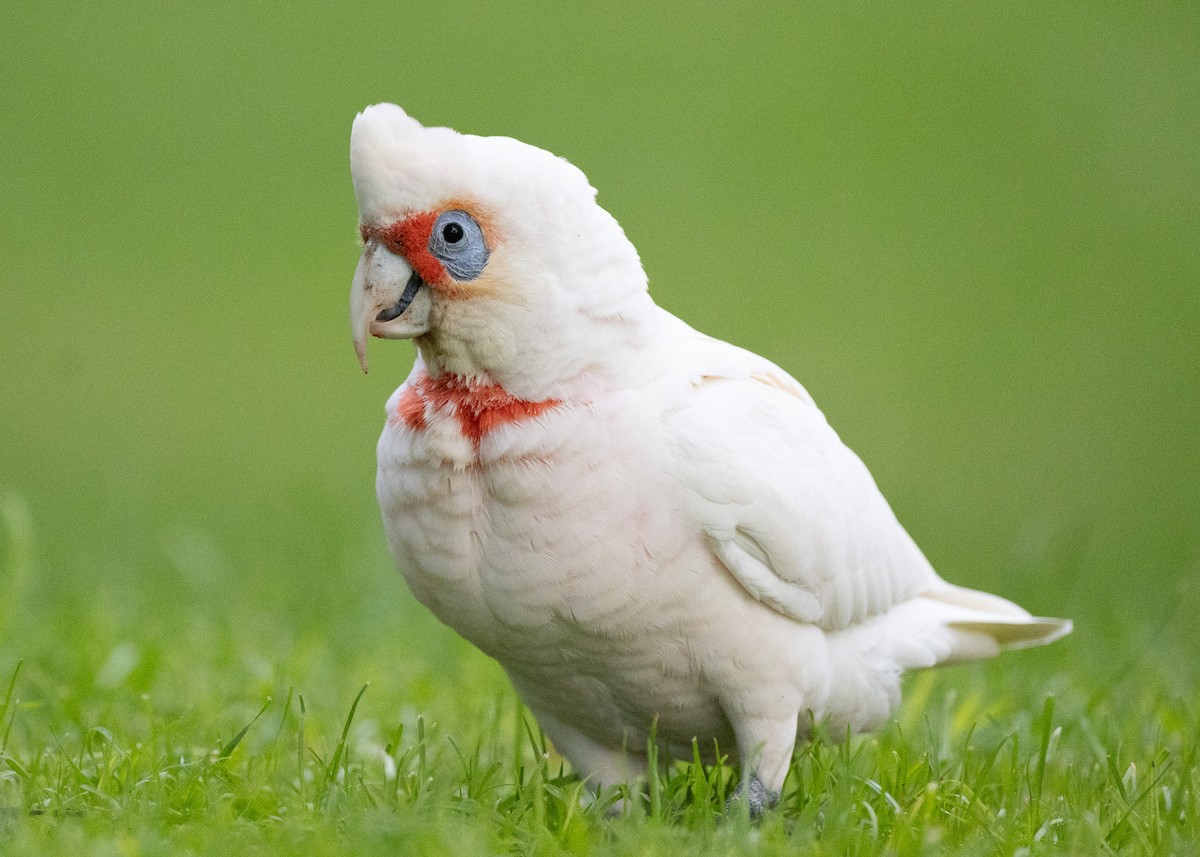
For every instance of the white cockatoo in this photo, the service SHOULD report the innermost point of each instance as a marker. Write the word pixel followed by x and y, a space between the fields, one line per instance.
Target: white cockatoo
pixel 653 531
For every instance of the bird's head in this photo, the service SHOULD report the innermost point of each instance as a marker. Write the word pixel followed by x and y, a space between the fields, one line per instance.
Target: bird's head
pixel 491 254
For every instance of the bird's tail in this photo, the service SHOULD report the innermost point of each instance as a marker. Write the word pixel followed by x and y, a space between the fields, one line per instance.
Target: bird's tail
pixel 979 624
pixel 946 624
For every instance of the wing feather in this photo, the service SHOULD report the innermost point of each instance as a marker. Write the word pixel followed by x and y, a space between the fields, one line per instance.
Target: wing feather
pixel 784 505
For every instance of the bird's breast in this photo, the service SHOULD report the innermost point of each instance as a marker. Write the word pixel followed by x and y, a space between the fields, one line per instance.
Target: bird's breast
pixel 521 523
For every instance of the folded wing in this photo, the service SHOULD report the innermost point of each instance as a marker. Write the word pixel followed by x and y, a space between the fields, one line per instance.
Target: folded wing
pixel 794 515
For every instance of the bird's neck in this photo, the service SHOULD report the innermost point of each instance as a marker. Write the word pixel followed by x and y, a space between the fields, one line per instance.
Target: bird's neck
pixel 576 359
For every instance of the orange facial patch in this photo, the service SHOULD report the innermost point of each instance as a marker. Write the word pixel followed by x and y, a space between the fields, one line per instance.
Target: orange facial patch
pixel 410 238
pixel 478 408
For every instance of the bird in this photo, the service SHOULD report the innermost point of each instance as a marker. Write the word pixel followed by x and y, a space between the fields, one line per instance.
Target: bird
pixel 655 533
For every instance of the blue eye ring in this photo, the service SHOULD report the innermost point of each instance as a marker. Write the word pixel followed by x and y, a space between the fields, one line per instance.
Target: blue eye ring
pixel 457 241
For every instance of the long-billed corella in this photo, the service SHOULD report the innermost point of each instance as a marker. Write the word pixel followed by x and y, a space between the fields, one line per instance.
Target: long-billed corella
pixel 653 531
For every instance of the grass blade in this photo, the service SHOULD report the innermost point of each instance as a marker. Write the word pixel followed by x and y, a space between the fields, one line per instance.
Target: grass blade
pixel 339 751
pixel 228 749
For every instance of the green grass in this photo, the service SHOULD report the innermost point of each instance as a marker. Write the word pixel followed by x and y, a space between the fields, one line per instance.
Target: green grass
pixel 970 230
pixel 983 769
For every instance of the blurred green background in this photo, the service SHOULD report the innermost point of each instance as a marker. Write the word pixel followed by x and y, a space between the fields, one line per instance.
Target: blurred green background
pixel 972 230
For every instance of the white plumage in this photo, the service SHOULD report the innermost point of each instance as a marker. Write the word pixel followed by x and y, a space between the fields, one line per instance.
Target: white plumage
pixel 642 524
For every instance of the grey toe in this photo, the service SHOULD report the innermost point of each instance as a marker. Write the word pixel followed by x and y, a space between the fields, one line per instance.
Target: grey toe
pixel 758 797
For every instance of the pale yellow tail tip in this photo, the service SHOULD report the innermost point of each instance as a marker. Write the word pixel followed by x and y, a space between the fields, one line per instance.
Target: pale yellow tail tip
pixel 1036 631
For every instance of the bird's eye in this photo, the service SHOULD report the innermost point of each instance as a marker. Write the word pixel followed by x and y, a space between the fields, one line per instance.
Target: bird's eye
pixel 457 242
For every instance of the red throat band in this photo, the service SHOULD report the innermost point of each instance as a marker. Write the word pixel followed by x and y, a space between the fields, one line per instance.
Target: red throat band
pixel 478 408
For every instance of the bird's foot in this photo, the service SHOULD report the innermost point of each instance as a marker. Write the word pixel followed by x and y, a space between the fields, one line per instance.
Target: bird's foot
pixel 757 797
